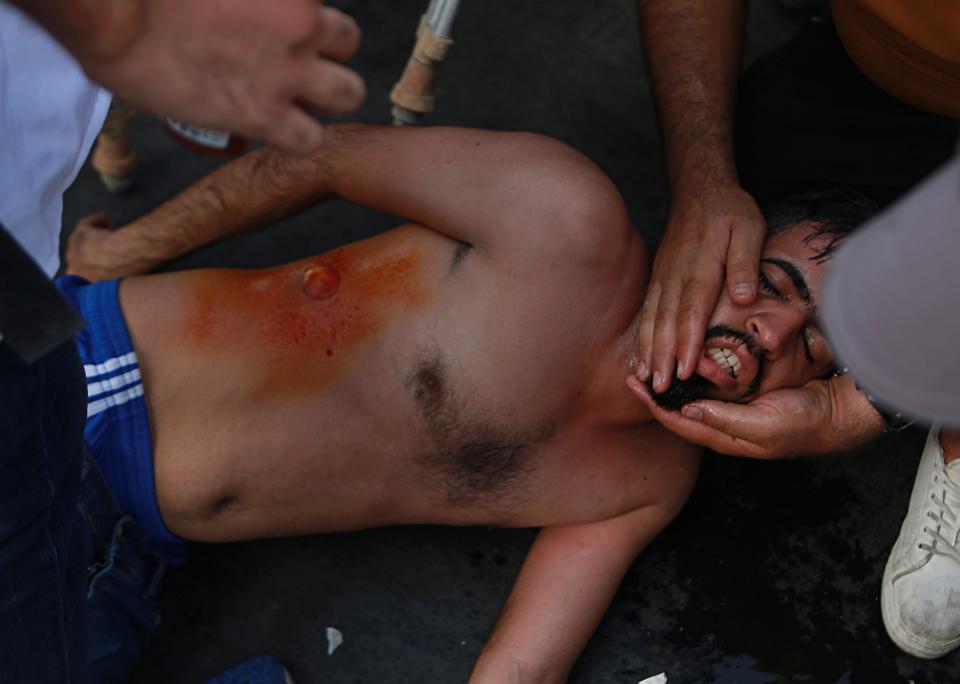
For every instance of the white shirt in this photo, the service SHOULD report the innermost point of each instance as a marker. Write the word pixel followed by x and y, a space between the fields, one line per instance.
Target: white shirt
pixel 50 114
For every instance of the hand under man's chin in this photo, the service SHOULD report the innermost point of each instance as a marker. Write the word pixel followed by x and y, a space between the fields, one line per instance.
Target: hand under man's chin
pixel 682 392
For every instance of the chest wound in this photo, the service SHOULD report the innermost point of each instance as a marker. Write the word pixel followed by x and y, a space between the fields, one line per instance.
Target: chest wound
pixel 321 282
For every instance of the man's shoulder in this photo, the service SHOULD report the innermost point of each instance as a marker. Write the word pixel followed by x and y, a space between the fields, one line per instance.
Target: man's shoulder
pixel 666 459
pixel 564 209
pixel 619 469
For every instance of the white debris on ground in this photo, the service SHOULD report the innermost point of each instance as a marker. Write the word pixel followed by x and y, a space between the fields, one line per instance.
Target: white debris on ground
pixel 334 639
pixel 655 679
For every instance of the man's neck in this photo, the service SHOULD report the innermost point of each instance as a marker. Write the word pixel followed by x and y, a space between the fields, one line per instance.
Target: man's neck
pixel 608 390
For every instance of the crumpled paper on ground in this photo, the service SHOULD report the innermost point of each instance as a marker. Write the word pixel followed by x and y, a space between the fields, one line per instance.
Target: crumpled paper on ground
pixel 334 639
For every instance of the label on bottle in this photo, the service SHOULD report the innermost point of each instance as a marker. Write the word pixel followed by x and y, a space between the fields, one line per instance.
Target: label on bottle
pixel 207 137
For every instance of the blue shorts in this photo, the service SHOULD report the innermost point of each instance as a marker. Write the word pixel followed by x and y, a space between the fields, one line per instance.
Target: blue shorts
pixel 117 431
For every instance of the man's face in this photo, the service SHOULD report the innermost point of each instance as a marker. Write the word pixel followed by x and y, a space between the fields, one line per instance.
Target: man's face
pixel 773 343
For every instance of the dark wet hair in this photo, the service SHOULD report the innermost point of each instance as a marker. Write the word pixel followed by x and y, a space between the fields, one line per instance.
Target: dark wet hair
pixel 837 212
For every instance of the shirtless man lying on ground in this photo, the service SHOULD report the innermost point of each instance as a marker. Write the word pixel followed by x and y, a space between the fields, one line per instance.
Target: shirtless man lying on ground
pixel 466 368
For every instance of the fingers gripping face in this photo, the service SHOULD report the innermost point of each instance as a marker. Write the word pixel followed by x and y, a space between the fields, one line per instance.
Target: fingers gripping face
pixel 648 314
pixel 693 314
pixel 674 320
pixel 710 234
pixel 746 244
pixel 774 342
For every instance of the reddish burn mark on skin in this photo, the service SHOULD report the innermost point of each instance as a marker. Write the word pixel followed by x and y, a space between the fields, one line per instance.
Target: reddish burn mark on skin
pixel 201 318
pixel 303 319
pixel 321 282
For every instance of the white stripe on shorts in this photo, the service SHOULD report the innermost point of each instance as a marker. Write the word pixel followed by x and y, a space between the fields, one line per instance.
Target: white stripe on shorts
pixel 110 365
pixel 114 383
pixel 111 400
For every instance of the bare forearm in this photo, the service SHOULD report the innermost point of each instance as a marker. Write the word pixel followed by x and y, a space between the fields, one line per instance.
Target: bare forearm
pixel 541 631
pixel 248 193
pixel 561 594
pixel 694 50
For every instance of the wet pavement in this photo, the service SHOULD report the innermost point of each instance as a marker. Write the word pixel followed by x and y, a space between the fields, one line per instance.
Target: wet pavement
pixel 770 575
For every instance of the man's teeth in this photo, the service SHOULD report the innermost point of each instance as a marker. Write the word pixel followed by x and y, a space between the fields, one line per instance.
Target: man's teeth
pixel 726 359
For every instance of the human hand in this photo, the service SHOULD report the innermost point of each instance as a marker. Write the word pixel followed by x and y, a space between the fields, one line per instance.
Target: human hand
pixel 820 417
pixel 247 66
pixel 94 253
pixel 710 232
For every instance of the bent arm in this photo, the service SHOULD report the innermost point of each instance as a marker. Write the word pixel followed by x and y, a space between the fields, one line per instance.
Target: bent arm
pixel 481 187
pixel 561 593
pixel 484 188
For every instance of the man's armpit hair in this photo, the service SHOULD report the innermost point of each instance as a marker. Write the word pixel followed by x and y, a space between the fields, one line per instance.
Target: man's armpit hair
pixel 483 472
pixel 474 462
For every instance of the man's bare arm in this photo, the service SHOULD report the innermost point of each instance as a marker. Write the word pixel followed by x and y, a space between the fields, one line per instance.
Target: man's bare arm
pixel 484 188
pixel 569 578
pixel 715 228
pixel 560 596
pixel 248 193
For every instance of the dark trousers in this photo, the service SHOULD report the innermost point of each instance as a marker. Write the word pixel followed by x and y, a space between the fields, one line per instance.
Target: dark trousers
pixel 123 577
pixel 78 579
pixel 807 118
pixel 43 628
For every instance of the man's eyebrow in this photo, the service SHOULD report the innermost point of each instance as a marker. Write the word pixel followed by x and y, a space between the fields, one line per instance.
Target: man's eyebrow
pixel 799 282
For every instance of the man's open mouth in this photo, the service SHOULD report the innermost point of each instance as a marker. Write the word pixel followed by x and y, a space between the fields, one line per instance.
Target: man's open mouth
pixel 729 359
pixel 726 359
pixel 730 367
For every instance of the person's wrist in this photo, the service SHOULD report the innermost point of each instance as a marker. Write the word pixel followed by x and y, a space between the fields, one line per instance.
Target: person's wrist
pixel 855 414
pixel 696 185
pixel 138 247
pixel 706 166
pixel 893 420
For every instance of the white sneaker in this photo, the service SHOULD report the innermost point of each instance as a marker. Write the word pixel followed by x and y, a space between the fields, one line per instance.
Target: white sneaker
pixel 920 594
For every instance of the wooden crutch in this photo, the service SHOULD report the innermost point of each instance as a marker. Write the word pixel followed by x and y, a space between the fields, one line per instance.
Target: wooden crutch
pixel 414 95
pixel 114 158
